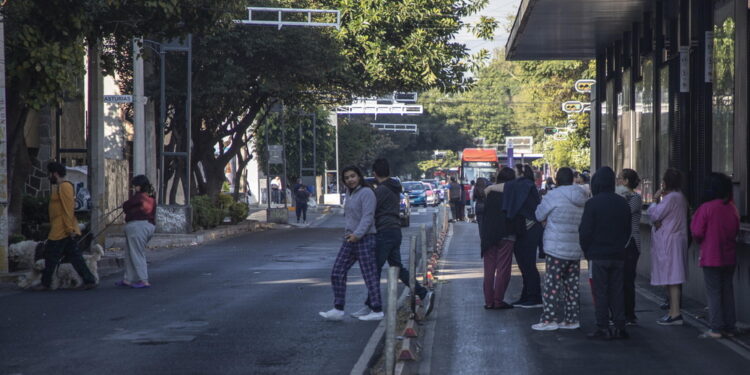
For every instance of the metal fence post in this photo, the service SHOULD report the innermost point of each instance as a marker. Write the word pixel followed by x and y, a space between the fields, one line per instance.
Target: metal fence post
pixel 423 248
pixel 412 273
pixel 390 320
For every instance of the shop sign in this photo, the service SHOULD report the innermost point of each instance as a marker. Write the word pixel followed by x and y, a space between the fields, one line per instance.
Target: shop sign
pixel 572 107
pixel 708 75
pixel 584 86
pixel 276 154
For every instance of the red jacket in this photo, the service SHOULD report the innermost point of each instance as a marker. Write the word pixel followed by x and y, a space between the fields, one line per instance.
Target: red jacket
pixel 140 206
pixel 715 227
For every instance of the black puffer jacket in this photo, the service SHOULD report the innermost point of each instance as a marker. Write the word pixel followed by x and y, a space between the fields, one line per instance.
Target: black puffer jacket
pixel 388 205
pixel 495 226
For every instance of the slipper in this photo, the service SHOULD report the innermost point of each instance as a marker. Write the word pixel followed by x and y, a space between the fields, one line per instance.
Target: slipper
pixel 140 285
pixel 710 335
pixel 123 283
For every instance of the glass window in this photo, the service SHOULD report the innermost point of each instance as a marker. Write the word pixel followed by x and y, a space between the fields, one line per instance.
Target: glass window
pixel 625 120
pixel 722 137
pixel 608 134
pixel 644 126
pixel 664 116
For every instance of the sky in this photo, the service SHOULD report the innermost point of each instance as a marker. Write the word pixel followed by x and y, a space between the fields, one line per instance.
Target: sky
pixel 498 9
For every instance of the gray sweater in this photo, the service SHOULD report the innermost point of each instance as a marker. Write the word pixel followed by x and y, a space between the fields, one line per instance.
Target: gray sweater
pixel 359 212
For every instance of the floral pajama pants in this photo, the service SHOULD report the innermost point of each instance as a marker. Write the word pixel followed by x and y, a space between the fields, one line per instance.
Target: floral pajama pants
pixel 561 295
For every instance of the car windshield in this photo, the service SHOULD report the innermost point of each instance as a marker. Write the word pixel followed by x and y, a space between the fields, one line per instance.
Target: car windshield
pixel 413 186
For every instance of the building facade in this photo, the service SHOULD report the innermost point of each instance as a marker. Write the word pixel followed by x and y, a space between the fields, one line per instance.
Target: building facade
pixel 671 91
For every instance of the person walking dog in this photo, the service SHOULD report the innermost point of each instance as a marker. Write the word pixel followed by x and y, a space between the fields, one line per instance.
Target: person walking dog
pixel 140 212
pixel 358 246
pixel 61 241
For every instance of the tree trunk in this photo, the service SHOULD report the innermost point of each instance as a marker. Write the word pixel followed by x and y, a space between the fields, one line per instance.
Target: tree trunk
pixel 19 165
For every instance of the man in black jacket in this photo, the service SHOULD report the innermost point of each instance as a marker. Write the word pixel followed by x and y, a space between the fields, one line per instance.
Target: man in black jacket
pixel 388 238
pixel 603 234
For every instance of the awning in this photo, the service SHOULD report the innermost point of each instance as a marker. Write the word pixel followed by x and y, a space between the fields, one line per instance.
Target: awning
pixel 570 29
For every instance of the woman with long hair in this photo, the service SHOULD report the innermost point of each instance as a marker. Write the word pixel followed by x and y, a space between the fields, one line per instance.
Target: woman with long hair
pixel 359 246
pixel 669 240
pixel 715 226
pixel 478 197
pixel 140 211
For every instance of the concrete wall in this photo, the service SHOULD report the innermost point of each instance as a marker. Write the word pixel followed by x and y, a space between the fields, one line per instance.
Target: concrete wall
pixel 694 288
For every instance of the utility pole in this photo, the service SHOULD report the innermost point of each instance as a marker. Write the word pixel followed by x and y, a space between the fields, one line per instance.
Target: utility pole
pixel 3 158
pixel 139 128
pixel 96 135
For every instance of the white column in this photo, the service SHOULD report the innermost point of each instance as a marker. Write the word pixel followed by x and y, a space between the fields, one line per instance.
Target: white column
pixel 139 128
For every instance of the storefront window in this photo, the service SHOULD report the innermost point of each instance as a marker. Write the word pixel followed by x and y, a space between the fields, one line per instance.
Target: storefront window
pixel 723 89
pixel 664 116
pixel 608 134
pixel 644 125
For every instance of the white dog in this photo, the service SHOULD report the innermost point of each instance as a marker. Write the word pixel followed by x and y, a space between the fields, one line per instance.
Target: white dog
pixel 66 276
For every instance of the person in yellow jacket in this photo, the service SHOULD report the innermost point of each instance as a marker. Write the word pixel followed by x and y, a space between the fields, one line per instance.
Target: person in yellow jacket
pixel 61 241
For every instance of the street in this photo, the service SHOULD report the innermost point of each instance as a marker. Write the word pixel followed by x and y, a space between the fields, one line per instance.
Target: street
pixel 243 305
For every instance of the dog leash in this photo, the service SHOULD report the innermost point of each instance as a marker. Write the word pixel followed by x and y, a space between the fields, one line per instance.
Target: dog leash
pixel 103 229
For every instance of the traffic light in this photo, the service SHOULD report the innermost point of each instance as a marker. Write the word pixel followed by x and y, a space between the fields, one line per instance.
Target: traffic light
pixel 550 131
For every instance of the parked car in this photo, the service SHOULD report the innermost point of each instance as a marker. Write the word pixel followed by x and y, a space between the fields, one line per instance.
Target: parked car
pixel 417 192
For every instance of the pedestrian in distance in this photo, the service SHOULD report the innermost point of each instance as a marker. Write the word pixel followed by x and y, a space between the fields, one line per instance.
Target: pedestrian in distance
pixel 603 234
pixel 358 246
pixel 561 209
pixel 455 192
pixel 478 197
pixel 627 182
pixel 301 196
pixel 715 227
pixel 669 239
pixel 520 200
pixel 140 212
pixel 388 237
pixel 497 234
pixel 61 241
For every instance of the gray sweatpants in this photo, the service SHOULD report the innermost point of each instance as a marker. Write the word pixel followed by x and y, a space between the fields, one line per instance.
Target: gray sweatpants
pixel 137 235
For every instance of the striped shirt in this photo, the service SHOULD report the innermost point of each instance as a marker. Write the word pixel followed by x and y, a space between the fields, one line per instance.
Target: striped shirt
pixel 636 203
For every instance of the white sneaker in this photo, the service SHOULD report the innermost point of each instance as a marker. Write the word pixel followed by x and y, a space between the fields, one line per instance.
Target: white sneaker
pixel 372 316
pixel 333 314
pixel 551 326
pixel 574 325
pixel 362 312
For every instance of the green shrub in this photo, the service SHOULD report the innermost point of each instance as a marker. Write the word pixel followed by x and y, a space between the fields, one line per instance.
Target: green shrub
pixel 206 213
pixel 238 212
pixel 16 238
pixel 225 201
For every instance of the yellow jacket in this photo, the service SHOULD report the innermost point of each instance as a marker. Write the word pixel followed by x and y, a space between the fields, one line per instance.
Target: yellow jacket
pixel 61 212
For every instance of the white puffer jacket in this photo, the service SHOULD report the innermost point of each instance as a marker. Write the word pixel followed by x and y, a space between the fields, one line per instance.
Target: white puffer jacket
pixel 562 208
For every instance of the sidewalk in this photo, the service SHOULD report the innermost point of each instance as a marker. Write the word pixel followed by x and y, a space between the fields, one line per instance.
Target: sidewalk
pixel 471 340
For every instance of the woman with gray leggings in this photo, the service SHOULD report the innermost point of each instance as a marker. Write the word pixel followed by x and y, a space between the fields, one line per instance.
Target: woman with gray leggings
pixel 139 227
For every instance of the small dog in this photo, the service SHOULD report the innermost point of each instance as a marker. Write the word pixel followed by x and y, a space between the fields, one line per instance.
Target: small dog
pixel 25 253
pixel 65 277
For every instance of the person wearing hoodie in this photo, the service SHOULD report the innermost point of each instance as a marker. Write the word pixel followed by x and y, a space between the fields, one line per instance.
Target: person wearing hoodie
pixel 497 237
pixel 561 209
pixel 358 246
pixel 603 234
pixel 520 199
pixel 669 242
pixel 715 226
pixel 388 238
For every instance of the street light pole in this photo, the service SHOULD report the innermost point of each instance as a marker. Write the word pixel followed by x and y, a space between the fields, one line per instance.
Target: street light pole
pixel 139 125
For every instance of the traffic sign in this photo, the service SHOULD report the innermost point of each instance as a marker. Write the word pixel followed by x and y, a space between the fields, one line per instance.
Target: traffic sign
pixel 111 99
pixel 550 131
pixel 276 154
pixel 572 106
pixel 584 85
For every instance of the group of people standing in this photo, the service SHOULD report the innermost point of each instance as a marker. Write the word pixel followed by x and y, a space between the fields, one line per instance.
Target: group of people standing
pixel 372 236
pixel 601 223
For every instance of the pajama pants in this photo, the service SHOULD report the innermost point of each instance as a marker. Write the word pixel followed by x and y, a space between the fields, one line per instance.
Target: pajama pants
pixel 561 291
pixel 364 252
pixel 498 261
pixel 137 235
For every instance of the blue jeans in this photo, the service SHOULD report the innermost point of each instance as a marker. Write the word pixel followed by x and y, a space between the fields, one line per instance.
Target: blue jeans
pixel 388 247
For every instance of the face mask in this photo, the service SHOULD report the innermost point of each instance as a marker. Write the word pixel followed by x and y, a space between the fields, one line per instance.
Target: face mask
pixel 621 190
pixel 52 180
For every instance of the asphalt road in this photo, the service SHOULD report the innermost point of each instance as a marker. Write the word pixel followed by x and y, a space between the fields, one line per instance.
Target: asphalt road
pixel 244 305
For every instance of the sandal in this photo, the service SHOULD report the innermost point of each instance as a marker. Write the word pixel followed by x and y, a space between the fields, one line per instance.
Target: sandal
pixel 710 335
pixel 140 285
pixel 123 283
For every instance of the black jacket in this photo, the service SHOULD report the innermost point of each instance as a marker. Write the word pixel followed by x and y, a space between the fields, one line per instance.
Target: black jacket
pixel 605 226
pixel 388 205
pixel 495 224
pixel 521 198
